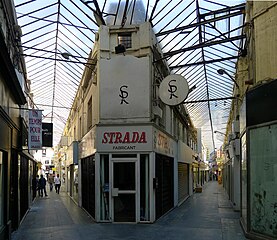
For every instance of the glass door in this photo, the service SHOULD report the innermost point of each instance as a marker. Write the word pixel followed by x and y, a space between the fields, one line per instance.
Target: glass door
pixel 124 191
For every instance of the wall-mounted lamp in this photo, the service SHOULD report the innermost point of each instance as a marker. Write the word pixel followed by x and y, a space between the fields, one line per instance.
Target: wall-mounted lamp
pixel 222 72
pixel 220 133
pixel 120 49
pixel 66 55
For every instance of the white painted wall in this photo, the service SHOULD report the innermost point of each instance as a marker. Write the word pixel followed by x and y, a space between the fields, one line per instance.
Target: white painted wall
pixel 124 89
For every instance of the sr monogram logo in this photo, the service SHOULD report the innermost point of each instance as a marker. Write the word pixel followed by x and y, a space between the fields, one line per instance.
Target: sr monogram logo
pixel 123 94
pixel 172 89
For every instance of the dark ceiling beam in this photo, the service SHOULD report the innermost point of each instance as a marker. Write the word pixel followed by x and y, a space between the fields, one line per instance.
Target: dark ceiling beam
pixel 240 7
pixel 203 62
pixel 87 5
pixel 204 66
pixel 153 10
pixel 37 10
pixel 124 17
pixel 209 100
pixel 203 45
pixel 56 59
pixel 240 12
pixel 52 21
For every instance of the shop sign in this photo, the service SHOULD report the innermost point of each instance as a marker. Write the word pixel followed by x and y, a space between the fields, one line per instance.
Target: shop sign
pixel 163 143
pixel 87 145
pixel 124 139
pixel 35 129
pixel 47 134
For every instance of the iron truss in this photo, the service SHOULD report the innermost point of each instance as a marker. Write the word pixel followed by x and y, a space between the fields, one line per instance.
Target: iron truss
pixel 198 37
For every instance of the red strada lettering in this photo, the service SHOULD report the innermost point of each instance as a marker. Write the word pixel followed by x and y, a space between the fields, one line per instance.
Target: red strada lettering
pixel 127 137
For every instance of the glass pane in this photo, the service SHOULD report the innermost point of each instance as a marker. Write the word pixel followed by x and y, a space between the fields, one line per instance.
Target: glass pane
pixel 263 180
pixel 124 176
pixel 105 188
pixel 125 208
pixel 243 180
pixel 144 188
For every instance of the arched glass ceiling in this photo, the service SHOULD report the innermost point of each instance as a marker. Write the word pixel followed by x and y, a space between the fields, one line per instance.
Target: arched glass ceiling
pixel 197 39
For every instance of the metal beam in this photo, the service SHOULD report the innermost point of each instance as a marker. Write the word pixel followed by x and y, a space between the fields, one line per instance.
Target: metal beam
pixel 203 62
pixel 194 25
pixel 209 100
pixel 204 44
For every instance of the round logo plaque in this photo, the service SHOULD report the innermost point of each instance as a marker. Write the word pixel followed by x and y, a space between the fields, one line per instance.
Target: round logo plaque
pixel 173 89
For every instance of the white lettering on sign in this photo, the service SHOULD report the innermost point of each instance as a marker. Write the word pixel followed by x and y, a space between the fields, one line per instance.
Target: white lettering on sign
pixel 127 137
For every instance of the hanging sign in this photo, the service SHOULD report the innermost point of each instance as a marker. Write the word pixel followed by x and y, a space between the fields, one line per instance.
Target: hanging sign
pixel 47 134
pixel 35 129
pixel 173 90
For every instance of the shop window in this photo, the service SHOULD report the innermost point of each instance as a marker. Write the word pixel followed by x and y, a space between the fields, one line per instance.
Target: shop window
pixel 263 166
pixel 144 188
pixel 104 188
pixel 80 128
pixel 244 181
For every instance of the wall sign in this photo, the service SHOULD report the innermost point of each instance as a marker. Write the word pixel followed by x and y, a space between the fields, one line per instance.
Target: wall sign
pixel 163 143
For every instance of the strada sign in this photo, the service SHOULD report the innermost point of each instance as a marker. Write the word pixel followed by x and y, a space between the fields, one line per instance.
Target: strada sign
pixel 124 138
pixel 127 137
pixel 163 143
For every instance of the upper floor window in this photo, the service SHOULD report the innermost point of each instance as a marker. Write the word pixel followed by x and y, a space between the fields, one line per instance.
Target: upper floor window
pixel 89 115
pixel 125 39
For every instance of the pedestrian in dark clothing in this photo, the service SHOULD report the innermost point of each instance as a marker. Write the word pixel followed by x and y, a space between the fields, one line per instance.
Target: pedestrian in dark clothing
pixel 42 186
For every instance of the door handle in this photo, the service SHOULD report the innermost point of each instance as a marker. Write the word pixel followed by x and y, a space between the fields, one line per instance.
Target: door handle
pixel 115 192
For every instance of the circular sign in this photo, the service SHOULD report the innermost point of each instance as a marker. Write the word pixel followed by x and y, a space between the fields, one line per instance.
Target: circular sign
pixel 173 90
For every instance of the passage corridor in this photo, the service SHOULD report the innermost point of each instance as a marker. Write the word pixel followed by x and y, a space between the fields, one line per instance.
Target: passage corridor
pixel 204 216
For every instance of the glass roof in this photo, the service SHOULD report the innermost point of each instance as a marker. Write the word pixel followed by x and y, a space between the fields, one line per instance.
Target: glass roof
pixel 197 38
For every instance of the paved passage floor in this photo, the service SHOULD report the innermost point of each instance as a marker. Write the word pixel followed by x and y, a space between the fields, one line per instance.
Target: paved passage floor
pixel 204 216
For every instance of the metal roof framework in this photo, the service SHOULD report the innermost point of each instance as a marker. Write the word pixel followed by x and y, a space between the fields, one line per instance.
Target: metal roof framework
pixel 197 37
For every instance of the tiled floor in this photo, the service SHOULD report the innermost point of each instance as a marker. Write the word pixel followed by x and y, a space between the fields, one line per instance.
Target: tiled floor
pixel 204 216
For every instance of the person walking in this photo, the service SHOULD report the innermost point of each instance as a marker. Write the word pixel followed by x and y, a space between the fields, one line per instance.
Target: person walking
pixel 57 182
pixel 42 186
pixel 51 181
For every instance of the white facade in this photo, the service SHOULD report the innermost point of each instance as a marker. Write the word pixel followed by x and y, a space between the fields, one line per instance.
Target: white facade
pixel 130 143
